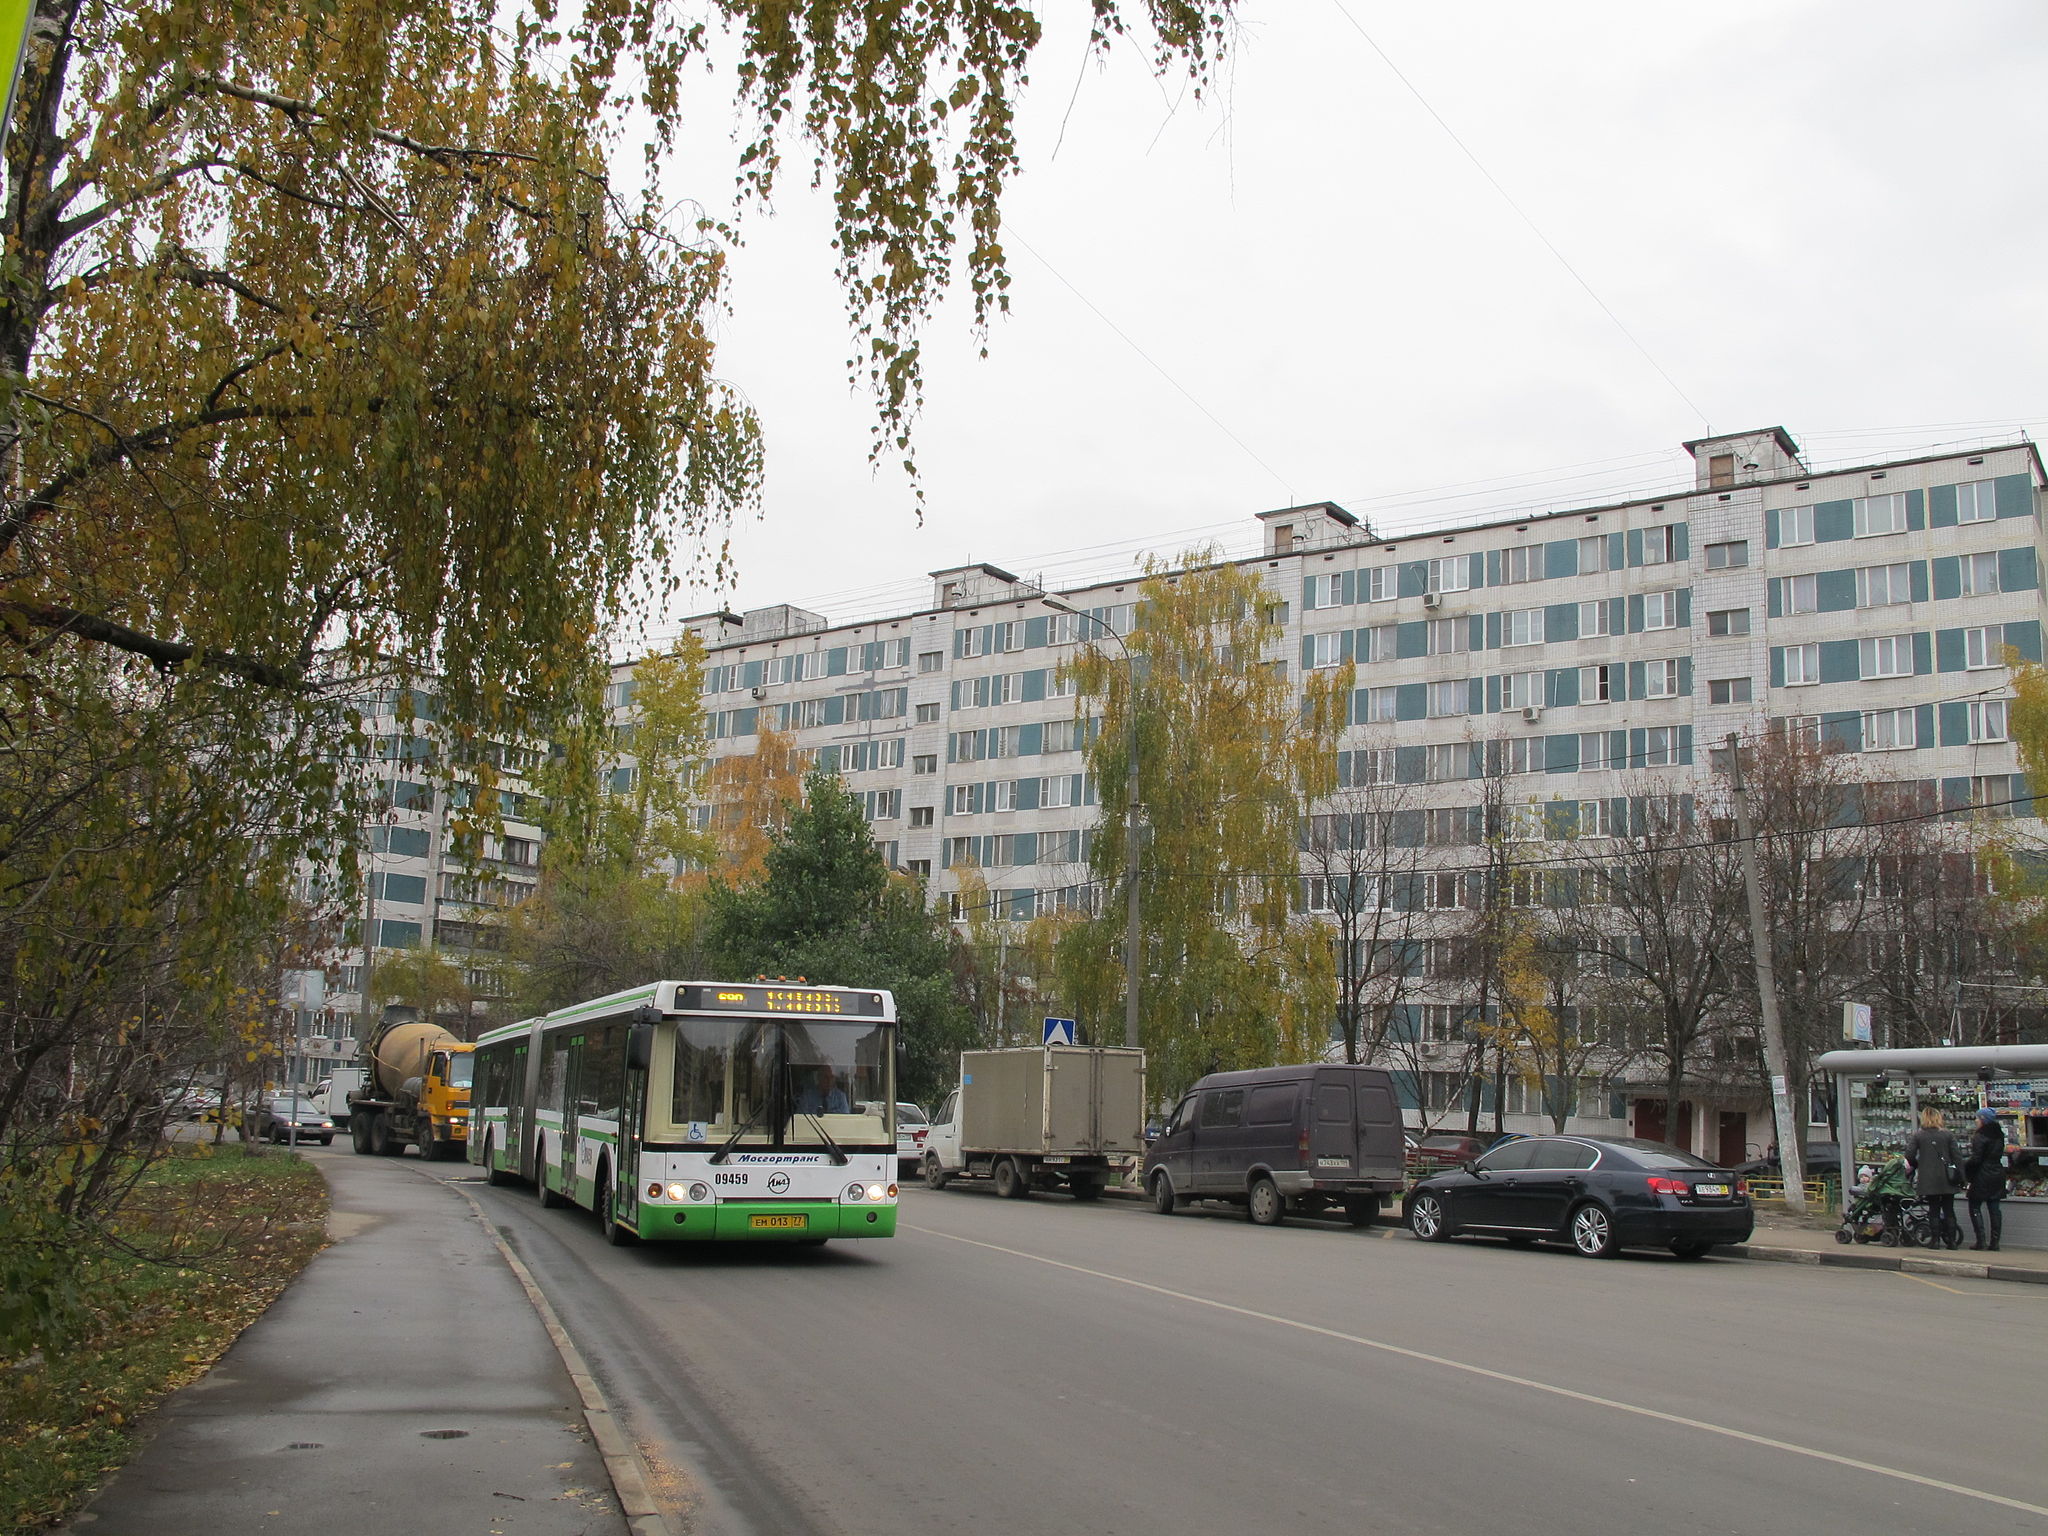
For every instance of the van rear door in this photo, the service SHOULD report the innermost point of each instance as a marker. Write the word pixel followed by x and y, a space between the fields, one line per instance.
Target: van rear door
pixel 1333 1128
pixel 1380 1153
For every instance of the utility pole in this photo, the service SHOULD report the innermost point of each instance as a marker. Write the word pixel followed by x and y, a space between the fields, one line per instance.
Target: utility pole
pixel 1791 1154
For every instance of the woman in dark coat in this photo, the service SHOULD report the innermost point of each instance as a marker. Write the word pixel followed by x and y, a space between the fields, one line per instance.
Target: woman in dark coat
pixel 1984 1170
pixel 1930 1153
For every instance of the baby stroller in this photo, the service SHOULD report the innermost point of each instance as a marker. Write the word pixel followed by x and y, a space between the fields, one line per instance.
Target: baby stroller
pixel 1887 1210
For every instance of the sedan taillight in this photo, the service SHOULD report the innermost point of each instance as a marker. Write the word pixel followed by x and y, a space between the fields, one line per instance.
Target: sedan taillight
pixel 1662 1186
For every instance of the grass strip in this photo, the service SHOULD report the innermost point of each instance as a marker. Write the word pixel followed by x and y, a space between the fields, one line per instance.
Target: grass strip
pixel 209 1238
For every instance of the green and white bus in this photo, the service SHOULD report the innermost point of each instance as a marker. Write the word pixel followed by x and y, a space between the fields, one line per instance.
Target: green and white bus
pixel 700 1110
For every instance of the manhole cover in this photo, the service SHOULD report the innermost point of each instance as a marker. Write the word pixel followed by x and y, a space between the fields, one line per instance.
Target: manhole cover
pixel 444 1434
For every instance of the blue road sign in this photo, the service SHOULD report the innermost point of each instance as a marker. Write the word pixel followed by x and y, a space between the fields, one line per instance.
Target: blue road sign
pixel 1059 1031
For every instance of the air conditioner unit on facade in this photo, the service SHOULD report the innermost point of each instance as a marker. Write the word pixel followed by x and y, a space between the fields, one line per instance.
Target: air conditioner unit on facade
pixel 1432 599
pixel 760 692
pixel 1532 712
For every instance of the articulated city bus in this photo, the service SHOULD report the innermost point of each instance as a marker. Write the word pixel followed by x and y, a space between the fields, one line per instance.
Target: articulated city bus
pixel 700 1110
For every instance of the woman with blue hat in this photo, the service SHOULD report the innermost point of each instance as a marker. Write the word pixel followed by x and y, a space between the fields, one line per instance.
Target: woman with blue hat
pixel 1984 1177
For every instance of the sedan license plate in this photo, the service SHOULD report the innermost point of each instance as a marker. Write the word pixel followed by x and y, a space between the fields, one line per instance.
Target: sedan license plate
pixel 782 1222
pixel 1710 1189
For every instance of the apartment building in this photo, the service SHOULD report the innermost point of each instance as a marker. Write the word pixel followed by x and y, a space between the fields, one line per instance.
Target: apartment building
pixel 1582 654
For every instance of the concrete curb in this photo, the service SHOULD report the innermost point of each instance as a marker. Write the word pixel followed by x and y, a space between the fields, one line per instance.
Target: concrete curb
pixel 1853 1258
pixel 622 1461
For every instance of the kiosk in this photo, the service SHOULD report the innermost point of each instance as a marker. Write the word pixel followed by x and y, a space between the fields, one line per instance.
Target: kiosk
pixel 1879 1095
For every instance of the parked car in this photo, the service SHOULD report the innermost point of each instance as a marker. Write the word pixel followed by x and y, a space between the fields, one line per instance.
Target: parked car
pixel 1599 1194
pixel 912 1126
pixel 276 1114
pixel 1823 1161
pixel 1444 1149
pixel 1309 1139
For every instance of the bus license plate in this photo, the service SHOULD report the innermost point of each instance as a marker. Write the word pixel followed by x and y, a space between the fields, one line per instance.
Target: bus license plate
pixel 783 1222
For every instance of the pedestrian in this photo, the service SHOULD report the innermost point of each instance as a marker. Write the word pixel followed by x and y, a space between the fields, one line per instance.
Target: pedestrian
pixel 1984 1172
pixel 1937 1175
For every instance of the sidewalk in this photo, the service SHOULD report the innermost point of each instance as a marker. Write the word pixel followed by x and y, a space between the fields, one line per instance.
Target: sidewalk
pixel 403 1383
pixel 1786 1240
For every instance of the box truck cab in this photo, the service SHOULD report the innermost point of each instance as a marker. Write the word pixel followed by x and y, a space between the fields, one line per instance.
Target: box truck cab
pixel 1314 1140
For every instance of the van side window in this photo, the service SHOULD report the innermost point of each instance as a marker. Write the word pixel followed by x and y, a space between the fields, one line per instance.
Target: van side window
pixel 1222 1107
pixel 1183 1115
pixel 1333 1104
pixel 1272 1104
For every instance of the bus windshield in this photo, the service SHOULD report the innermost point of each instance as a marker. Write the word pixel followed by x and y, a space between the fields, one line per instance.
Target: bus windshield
pixel 790 1082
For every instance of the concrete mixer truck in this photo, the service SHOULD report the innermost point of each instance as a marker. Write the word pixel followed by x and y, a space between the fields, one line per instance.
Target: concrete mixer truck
pixel 416 1090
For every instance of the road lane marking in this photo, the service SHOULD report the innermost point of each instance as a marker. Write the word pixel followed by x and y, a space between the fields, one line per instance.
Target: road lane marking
pixel 1937 1284
pixel 1789 1447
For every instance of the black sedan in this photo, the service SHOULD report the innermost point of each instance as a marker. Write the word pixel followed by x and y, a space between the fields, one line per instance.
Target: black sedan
pixel 1599 1194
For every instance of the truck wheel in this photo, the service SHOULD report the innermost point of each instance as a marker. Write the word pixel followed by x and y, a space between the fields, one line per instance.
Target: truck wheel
pixel 1264 1205
pixel 359 1133
pixel 1010 1181
pixel 1162 1193
pixel 382 1142
pixel 934 1176
pixel 1086 1189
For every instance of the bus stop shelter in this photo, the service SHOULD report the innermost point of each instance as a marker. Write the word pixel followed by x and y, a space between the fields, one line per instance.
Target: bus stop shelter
pixel 1879 1095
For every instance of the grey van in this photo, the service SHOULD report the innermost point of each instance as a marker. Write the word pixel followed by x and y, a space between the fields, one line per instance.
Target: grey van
pixel 1308 1139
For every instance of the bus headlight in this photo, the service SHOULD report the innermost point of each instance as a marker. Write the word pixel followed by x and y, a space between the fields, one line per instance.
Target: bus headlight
pixel 678 1192
pixel 856 1191
pixel 700 1191
pixel 876 1191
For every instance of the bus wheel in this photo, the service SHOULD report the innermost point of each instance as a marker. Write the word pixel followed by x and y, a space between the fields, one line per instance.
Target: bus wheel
pixel 493 1174
pixel 607 1216
pixel 549 1200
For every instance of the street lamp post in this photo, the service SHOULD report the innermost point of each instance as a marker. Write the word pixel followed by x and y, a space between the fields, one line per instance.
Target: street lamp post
pixel 1131 813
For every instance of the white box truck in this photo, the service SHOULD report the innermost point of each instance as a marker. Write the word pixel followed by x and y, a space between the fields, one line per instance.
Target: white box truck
pixel 1053 1117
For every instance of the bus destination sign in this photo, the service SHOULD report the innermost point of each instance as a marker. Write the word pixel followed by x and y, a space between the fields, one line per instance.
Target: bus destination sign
pixel 754 998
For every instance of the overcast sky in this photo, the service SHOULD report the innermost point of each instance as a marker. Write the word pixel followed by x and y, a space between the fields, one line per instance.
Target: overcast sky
pixel 1826 216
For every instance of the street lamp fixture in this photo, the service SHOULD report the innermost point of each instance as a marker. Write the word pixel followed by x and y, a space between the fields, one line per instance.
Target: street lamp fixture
pixel 1131 813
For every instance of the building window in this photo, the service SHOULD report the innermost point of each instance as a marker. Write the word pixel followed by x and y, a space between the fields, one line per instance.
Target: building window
pixel 1885 656
pixel 1523 626
pixel 1657 545
pixel 1451 574
pixel 1525 823
pixel 1592 554
pixel 1593 752
pixel 1004 795
pixel 1880 586
pixel 1889 730
pixel 920 816
pixel 1441 891
pixel 1728 690
pixel 1660 610
pixel 1378 704
pixel 1596 684
pixel 1987 720
pixel 1728 621
pixel 1980 574
pixel 1729 556
pixel 1720 469
pixel 1593 818
pixel 1880 514
pixel 1326 650
pixel 1450 698
pixel 1982 647
pixel 1660 679
pixel 1802 594
pixel 931 661
pixel 1795 526
pixel 1448 761
pixel 1521 690
pixel 1977 502
pixel 1516 754
pixel 1802 664
pixel 1374 644
pixel 1593 620
pixel 962 800
pixel 1522 563
pixel 925 762
pixel 927 714
pixel 1055 791
pixel 1660 746
pixel 1447 637
pixel 1800 730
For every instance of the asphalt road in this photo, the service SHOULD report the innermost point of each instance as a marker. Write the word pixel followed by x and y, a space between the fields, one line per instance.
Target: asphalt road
pixel 1043 1366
